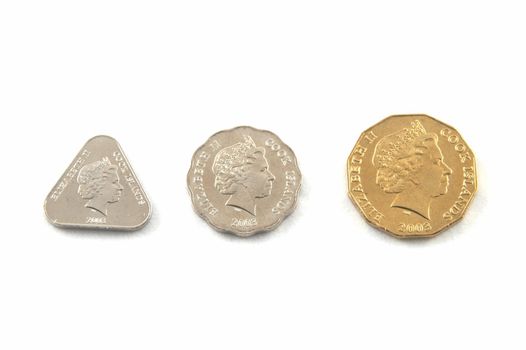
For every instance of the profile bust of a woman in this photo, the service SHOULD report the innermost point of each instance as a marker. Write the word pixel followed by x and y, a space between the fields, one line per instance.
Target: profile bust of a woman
pixel 242 173
pixel 410 164
pixel 99 184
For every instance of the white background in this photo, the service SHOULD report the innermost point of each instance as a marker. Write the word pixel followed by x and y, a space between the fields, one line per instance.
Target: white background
pixel 161 77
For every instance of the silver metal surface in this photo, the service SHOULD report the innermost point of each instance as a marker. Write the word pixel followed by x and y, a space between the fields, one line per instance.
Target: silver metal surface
pixel 244 181
pixel 99 190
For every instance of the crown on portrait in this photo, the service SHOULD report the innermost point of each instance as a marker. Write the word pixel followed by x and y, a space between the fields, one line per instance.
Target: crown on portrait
pixel 93 170
pixel 397 144
pixel 233 155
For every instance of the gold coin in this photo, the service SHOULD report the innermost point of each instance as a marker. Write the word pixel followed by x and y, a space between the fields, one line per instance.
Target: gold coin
pixel 411 175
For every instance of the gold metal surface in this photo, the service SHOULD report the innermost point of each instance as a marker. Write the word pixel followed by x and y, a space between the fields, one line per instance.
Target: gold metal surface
pixel 411 175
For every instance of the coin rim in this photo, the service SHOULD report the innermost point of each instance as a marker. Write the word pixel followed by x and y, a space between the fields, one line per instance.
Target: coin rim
pixel 100 226
pixel 239 233
pixel 385 229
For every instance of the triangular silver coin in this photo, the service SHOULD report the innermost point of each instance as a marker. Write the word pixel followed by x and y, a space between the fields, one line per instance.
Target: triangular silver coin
pixel 99 190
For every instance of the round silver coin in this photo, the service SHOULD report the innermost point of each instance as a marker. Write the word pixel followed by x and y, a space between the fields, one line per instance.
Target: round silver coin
pixel 244 181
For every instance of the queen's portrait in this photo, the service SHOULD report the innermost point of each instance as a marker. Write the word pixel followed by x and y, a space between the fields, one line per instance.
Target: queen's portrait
pixel 242 173
pixel 99 184
pixel 410 164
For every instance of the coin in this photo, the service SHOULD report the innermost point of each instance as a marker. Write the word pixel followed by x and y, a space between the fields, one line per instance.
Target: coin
pixel 99 190
pixel 244 181
pixel 411 175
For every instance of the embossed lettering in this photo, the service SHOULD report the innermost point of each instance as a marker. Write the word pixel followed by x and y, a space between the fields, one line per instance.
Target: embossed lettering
pixel 460 148
pixel 288 194
pixel 214 145
pixel 464 195
pixel 94 220
pixel 370 136
pixel 280 152
pixel 200 195
pixel 72 172
pixel 415 228
pixel 130 179
pixel 244 223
